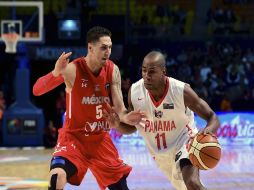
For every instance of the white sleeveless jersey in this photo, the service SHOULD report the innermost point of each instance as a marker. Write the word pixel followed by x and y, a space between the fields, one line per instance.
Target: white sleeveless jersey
pixel 169 124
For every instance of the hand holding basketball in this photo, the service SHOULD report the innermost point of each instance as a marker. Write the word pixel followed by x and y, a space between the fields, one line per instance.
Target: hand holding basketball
pixel 204 151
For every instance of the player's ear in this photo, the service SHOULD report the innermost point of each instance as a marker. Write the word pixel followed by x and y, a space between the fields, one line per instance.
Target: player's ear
pixel 164 71
pixel 89 47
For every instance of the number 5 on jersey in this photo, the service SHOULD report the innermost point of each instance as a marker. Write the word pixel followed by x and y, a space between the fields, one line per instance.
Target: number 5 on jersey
pixel 98 111
pixel 161 138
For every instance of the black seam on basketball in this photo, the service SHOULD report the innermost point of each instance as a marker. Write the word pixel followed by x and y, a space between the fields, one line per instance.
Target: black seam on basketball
pixel 208 154
pixel 203 152
pixel 201 138
pixel 195 147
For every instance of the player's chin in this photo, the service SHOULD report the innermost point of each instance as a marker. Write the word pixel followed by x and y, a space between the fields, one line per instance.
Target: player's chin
pixel 148 86
pixel 103 62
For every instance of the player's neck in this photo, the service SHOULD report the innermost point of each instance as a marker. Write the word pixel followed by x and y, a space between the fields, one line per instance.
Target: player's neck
pixel 94 67
pixel 158 93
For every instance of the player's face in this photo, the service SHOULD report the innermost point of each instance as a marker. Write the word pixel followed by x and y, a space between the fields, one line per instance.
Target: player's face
pixel 152 74
pixel 102 50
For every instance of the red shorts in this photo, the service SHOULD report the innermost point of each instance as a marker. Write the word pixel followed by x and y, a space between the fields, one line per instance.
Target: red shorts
pixel 96 152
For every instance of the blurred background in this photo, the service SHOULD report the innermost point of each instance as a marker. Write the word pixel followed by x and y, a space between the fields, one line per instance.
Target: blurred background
pixel 208 44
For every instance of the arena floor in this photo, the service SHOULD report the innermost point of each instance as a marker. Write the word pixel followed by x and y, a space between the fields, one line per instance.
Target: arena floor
pixel 28 169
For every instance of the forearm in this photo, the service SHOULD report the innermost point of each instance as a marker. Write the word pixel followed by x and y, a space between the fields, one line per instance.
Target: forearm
pixel 122 115
pixel 46 83
pixel 126 129
pixel 213 122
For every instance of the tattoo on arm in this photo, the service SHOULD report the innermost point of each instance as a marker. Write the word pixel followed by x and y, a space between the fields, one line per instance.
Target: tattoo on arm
pixel 117 81
pixel 130 108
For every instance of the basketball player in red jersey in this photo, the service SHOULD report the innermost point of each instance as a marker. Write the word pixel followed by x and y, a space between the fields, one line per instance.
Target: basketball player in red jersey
pixel 84 142
pixel 169 123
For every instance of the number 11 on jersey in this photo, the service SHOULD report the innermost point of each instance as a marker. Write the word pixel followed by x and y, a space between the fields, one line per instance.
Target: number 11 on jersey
pixel 159 138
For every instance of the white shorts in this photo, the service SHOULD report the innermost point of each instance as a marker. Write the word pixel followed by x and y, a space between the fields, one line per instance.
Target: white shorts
pixel 170 166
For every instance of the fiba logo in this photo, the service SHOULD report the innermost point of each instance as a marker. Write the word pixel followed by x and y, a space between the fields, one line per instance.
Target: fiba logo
pixel 158 114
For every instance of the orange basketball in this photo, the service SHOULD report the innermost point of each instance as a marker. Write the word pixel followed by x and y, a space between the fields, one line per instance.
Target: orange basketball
pixel 204 151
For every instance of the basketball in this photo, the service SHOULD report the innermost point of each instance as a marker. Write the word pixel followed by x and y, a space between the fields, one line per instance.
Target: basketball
pixel 204 151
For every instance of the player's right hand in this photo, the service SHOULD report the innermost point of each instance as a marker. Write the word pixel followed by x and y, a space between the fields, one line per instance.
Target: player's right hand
pixel 61 64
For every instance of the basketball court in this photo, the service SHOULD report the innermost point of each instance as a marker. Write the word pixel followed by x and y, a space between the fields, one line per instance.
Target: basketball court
pixel 25 168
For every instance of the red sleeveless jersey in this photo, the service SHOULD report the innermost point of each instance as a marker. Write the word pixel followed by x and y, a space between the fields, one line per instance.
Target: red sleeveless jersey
pixel 87 99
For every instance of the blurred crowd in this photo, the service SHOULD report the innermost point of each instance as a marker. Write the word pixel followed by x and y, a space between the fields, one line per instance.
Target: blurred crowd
pixel 222 74
pixel 219 74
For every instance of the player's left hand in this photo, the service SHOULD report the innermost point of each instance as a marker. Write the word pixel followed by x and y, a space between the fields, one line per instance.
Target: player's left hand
pixel 207 130
pixel 131 118
pixel 61 63
pixel 111 117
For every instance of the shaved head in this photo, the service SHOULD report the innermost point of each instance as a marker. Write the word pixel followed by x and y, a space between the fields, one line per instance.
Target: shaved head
pixel 154 71
pixel 156 58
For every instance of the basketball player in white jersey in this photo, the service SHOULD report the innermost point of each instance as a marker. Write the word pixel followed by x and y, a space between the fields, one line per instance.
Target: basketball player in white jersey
pixel 169 122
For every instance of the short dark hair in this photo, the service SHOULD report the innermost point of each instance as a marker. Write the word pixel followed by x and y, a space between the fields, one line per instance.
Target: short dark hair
pixel 158 56
pixel 95 33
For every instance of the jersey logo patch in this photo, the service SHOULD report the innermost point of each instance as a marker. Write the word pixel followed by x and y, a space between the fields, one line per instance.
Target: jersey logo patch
pixel 168 106
pixel 107 86
pixel 84 83
pixel 158 114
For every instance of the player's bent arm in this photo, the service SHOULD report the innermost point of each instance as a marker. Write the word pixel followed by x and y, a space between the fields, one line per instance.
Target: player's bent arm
pixel 123 127
pixel 128 129
pixel 130 118
pixel 130 106
pixel 69 75
pixel 116 91
pixel 65 69
pixel 201 108
pixel 46 83
pixel 54 78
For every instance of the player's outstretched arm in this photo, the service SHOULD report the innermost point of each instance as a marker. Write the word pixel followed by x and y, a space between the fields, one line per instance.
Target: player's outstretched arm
pixel 200 107
pixel 113 120
pixel 46 83
pixel 116 91
pixel 131 117
pixel 53 79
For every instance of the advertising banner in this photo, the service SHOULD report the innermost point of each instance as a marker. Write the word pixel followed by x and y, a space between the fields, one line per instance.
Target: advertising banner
pixel 235 129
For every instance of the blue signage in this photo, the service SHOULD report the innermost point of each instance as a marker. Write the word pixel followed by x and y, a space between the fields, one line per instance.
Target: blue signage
pixel 235 129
